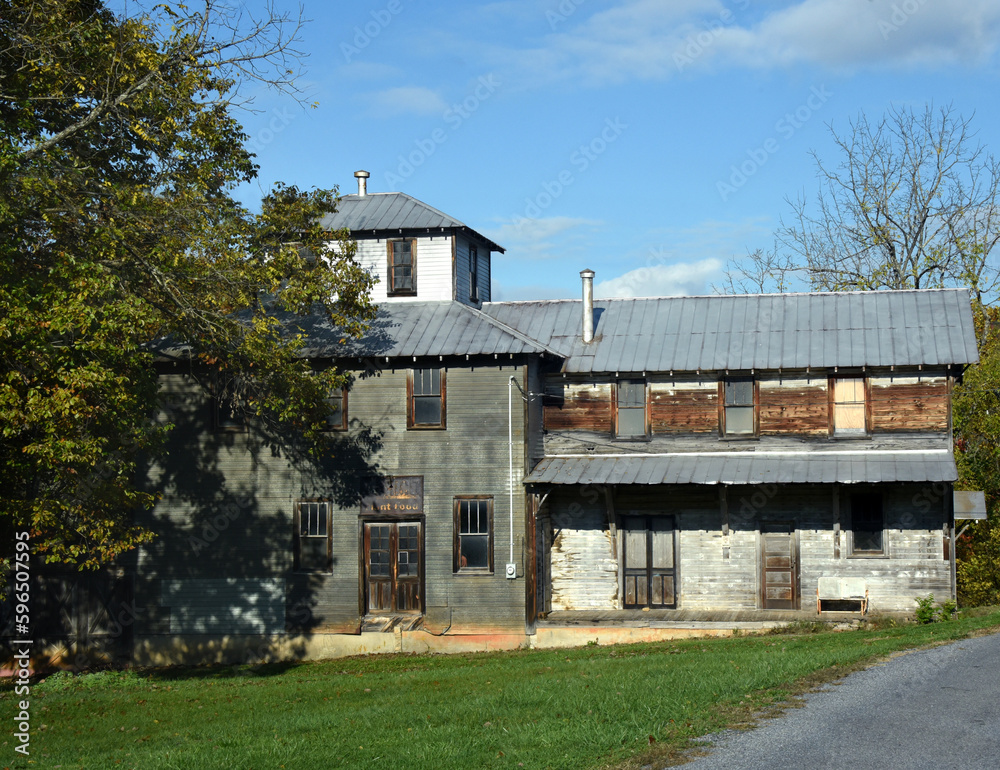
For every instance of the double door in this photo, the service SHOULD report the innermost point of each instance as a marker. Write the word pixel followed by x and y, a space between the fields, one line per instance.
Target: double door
pixel 649 561
pixel 393 558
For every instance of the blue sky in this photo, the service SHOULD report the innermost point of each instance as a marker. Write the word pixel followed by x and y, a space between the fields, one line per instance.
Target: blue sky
pixel 651 141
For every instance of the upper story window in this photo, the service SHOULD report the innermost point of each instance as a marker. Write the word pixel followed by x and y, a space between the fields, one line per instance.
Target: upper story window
pixel 739 413
pixel 402 267
pixel 631 414
pixel 337 419
pixel 227 416
pixel 473 274
pixel 848 411
pixel 425 398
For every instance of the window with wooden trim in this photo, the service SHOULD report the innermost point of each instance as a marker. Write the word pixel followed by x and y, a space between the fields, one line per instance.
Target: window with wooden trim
pixel 227 416
pixel 848 406
pixel 425 398
pixel 313 536
pixel 473 273
pixel 739 406
pixel 630 409
pixel 473 550
pixel 337 419
pixel 402 273
pixel 867 525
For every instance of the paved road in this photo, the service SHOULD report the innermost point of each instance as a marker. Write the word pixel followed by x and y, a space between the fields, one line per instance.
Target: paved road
pixel 937 708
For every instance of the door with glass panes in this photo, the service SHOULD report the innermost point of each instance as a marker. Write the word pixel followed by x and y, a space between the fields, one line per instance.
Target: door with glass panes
pixel 648 560
pixel 393 564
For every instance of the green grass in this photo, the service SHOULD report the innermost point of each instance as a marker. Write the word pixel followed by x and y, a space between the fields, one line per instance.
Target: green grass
pixel 586 707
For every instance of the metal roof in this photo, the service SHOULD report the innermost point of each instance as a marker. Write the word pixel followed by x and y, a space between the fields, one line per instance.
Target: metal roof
pixel 393 211
pixel 419 329
pixel 841 467
pixel 754 331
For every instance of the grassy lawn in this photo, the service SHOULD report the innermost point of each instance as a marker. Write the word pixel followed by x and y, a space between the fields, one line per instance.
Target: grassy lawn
pixel 586 707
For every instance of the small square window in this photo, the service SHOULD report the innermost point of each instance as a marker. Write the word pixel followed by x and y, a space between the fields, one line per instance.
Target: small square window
pixel 402 268
pixel 426 398
pixel 313 536
pixel 740 410
pixel 473 534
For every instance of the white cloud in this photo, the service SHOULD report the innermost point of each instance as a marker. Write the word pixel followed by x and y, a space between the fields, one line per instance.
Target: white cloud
pixel 541 238
pixel 681 278
pixel 654 40
pixel 407 100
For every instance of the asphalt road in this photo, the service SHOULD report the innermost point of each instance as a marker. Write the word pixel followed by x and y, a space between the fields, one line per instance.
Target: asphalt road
pixel 937 708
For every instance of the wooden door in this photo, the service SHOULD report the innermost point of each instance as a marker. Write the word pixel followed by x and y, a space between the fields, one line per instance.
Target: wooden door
pixel 393 559
pixel 648 561
pixel 779 566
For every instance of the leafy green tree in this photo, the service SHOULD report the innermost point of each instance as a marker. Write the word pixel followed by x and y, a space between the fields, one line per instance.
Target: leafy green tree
pixel 120 150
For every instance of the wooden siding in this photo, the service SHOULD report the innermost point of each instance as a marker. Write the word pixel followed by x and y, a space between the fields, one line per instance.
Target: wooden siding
pixel 574 405
pixel 684 405
pixel 228 505
pixel 433 268
pixel 462 282
pixel 909 403
pixel 583 567
pixel 794 405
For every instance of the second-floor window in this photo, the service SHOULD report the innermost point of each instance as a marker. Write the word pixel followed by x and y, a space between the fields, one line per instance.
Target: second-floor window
pixel 739 414
pixel 425 398
pixel 337 419
pixel 630 414
pixel 473 274
pixel 402 267
pixel 848 413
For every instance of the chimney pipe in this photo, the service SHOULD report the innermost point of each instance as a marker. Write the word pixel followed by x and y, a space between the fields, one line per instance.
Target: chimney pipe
pixel 588 305
pixel 362 177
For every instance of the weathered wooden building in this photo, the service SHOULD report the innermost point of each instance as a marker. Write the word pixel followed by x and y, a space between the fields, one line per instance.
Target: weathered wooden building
pixel 712 459
pixel 545 473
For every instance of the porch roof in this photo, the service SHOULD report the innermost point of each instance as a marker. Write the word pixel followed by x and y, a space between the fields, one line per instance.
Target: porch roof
pixel 841 467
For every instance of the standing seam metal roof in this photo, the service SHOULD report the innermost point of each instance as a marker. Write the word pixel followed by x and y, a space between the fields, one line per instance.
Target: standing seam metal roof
pixel 743 332
pixel 393 211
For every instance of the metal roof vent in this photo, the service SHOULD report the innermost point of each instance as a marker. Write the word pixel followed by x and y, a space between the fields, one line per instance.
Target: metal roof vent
pixel 588 305
pixel 362 177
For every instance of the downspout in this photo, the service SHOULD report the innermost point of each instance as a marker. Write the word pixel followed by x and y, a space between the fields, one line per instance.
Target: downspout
pixel 511 572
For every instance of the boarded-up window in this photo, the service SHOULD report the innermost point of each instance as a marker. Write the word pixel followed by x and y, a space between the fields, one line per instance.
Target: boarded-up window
pixel 402 267
pixel 739 414
pixel 313 536
pixel 473 534
pixel 849 406
pixel 867 525
pixel 631 412
pixel 426 399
